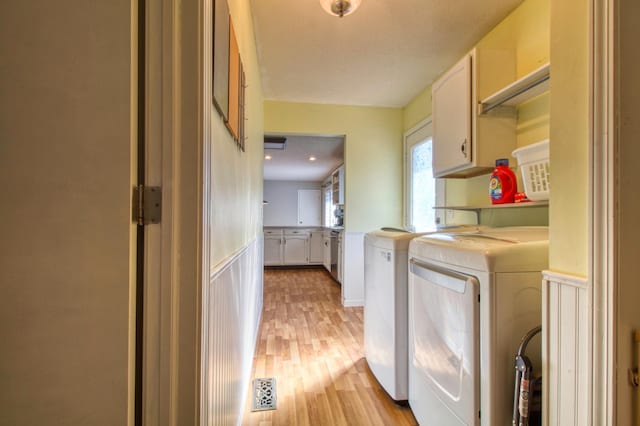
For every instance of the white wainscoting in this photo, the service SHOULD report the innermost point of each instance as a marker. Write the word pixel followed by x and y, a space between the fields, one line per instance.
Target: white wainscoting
pixel 566 350
pixel 231 310
pixel 353 269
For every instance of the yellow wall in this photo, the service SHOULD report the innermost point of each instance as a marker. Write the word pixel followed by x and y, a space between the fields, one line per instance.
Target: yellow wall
pixel 417 110
pixel 373 155
pixel 568 219
pixel 236 176
pixel 539 31
pixel 525 31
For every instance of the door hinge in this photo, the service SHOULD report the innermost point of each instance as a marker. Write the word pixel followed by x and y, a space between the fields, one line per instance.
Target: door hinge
pixel 147 204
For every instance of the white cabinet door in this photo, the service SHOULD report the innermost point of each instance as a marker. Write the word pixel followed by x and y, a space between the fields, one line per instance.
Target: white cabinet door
pixel 452 112
pixel 340 258
pixel 464 143
pixel 326 247
pixel 316 247
pixel 309 207
pixel 296 249
pixel 337 180
pixel 273 250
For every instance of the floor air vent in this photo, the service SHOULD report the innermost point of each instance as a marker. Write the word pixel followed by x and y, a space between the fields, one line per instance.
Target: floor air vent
pixel 264 394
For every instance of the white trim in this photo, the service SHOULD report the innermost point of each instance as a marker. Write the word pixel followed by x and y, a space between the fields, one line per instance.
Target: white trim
pixel 205 102
pixel 353 303
pixel 602 195
pixel 158 238
pixel 565 279
pixel 184 177
pixel 440 183
pixel 224 264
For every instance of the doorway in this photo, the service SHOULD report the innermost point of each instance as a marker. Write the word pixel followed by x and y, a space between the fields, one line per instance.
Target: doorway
pixel 295 163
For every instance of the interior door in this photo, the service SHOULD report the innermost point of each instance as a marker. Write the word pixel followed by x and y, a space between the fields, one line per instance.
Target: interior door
pixel 68 124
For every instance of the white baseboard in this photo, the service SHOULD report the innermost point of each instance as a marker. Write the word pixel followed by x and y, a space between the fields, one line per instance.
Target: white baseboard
pixel 353 303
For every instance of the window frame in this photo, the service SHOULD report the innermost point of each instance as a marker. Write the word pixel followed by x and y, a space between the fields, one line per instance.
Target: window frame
pixel 423 128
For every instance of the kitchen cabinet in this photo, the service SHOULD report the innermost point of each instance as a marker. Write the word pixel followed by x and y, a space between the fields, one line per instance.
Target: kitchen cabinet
pixel 340 259
pixel 273 247
pixel 326 240
pixel 337 185
pixel 465 143
pixel 296 247
pixel 316 247
pixel 295 250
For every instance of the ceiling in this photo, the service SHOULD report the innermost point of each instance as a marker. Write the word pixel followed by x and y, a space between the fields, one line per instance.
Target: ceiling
pixel 293 163
pixel 383 54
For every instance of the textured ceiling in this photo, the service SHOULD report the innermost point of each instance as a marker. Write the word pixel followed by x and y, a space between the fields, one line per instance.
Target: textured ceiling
pixel 383 54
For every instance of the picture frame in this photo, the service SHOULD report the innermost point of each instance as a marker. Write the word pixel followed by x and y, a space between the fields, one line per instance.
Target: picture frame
pixel 221 34
pixel 233 116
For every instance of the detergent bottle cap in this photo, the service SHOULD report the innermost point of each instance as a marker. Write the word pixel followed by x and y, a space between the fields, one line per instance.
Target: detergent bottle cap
pixel 502 162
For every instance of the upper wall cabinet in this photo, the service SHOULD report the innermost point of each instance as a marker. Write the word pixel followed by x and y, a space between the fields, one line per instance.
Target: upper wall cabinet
pixel 337 185
pixel 465 144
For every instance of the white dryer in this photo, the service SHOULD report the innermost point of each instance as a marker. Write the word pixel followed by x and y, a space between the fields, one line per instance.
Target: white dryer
pixel 385 306
pixel 471 299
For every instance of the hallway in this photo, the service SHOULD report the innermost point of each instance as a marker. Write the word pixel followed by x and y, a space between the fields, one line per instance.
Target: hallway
pixel 313 347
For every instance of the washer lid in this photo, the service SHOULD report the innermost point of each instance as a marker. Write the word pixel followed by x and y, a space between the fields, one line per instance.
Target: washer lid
pixel 510 249
pixel 399 240
pixel 390 240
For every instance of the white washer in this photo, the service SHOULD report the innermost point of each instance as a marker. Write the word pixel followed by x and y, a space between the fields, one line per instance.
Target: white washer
pixel 471 299
pixel 385 307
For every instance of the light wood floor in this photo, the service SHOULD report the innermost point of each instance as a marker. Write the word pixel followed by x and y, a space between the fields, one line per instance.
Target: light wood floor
pixel 314 349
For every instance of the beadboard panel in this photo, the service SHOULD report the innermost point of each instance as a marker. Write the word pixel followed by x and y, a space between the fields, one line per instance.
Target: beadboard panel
pixel 232 305
pixel 566 350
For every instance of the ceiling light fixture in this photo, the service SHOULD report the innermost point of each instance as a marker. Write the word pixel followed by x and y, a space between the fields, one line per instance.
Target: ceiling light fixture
pixel 340 7
pixel 267 157
pixel 312 158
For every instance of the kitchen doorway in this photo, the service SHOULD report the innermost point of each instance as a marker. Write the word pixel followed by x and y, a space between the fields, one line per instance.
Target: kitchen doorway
pixel 295 163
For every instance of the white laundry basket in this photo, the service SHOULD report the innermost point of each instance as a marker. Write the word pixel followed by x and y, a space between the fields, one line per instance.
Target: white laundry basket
pixel 534 163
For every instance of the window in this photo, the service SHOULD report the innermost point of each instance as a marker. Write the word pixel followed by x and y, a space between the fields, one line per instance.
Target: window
pixel 420 186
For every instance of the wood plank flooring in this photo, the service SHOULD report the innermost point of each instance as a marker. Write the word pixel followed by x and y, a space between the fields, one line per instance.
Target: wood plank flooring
pixel 314 349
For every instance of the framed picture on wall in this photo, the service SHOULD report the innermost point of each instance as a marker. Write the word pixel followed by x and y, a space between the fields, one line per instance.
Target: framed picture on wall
pixel 236 118
pixel 221 27
pixel 242 117
pixel 234 85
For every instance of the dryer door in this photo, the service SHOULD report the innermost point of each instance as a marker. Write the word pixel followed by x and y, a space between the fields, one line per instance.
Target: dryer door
pixel 444 384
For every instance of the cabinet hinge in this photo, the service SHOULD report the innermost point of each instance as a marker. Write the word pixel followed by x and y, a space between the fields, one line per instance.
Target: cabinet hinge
pixel 147 204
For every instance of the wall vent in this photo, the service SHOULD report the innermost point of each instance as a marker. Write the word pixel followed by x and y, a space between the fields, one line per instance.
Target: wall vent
pixel 275 142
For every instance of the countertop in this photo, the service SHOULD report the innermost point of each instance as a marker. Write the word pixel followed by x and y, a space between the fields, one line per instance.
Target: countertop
pixel 322 228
